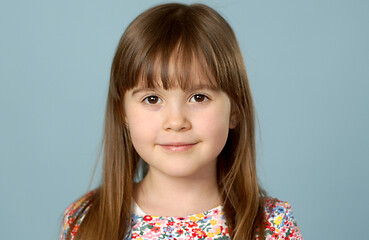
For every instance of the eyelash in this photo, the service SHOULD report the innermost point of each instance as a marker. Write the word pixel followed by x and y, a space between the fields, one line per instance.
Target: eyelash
pixel 197 94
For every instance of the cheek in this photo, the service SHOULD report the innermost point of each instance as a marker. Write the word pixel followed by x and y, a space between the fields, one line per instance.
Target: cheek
pixel 215 124
pixel 141 128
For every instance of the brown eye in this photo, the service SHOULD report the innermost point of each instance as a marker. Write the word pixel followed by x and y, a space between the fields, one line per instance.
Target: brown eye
pixel 152 99
pixel 199 98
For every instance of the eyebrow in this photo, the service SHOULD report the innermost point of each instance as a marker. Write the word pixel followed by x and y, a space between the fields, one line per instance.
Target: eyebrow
pixel 191 89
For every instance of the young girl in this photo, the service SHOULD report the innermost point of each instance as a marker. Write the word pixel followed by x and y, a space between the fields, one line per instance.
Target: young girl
pixel 179 148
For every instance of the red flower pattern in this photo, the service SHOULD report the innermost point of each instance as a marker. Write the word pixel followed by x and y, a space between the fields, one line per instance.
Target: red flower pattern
pixel 147 218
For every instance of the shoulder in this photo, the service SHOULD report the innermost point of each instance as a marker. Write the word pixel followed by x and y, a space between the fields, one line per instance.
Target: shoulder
pixel 275 206
pixel 74 214
pixel 280 221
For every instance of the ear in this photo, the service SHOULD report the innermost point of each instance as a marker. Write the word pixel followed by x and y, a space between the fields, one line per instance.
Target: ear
pixel 126 121
pixel 233 121
pixel 123 115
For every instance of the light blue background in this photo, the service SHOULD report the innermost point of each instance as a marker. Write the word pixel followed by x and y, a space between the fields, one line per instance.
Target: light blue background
pixel 308 64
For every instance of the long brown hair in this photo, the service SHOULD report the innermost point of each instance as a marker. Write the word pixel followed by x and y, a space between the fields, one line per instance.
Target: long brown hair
pixel 189 32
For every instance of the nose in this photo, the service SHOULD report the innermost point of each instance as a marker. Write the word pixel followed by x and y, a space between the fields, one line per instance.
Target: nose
pixel 176 119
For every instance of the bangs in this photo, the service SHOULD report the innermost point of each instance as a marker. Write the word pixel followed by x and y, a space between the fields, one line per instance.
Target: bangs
pixel 180 66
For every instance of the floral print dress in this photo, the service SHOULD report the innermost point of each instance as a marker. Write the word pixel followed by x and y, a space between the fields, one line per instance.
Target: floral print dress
pixel 280 224
pixel 208 225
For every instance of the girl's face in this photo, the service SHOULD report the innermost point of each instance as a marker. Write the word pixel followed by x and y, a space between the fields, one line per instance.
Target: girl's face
pixel 178 133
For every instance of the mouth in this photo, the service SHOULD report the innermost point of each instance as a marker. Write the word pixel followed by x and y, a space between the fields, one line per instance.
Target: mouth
pixel 177 147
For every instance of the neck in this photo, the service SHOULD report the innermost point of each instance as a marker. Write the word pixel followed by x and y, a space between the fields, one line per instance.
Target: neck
pixel 162 195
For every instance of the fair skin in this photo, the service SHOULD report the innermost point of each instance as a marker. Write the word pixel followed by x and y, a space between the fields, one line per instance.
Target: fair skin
pixel 179 134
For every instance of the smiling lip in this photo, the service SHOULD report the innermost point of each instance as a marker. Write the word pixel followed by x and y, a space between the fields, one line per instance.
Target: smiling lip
pixel 177 147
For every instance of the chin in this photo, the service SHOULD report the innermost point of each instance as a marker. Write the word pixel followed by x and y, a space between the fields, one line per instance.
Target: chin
pixel 184 171
pixel 180 173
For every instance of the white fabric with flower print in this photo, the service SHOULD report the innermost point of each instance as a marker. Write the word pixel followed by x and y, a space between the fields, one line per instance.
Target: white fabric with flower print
pixel 208 225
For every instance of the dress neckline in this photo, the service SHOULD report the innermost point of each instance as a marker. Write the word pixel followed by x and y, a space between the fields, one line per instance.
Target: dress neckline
pixel 139 212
